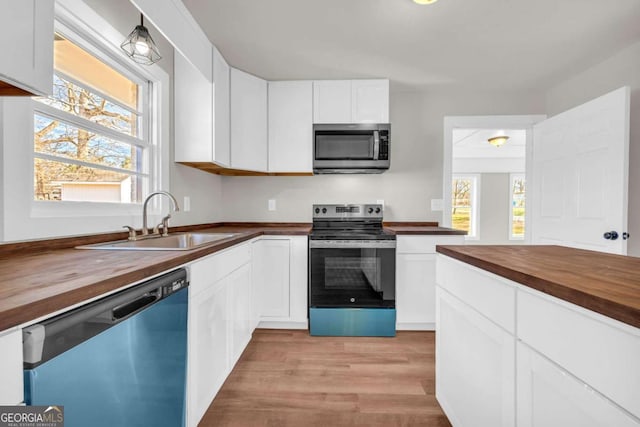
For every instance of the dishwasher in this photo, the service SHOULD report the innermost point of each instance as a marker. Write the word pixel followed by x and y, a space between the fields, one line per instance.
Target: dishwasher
pixel 118 361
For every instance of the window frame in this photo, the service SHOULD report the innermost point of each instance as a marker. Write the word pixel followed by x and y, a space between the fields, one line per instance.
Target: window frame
pixel 45 208
pixel 474 214
pixel 26 218
pixel 512 178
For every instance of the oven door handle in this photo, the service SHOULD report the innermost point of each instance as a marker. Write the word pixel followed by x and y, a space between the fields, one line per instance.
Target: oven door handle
pixel 376 144
pixel 352 244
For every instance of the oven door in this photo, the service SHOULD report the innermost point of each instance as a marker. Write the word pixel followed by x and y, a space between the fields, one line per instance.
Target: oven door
pixel 352 273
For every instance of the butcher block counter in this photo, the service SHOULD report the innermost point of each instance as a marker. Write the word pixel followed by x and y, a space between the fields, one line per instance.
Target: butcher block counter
pixel 605 283
pixel 41 277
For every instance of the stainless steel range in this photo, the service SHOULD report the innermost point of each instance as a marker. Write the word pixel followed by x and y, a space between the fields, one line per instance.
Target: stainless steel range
pixel 352 272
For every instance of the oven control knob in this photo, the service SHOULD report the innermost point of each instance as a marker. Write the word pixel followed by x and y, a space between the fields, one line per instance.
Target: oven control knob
pixel 370 210
pixel 352 300
pixel 324 210
pixel 317 210
pixel 377 210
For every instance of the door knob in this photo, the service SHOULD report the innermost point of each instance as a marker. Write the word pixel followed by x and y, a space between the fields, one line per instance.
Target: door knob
pixel 611 235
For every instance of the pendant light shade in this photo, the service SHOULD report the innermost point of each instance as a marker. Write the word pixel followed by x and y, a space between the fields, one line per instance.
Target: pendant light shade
pixel 140 47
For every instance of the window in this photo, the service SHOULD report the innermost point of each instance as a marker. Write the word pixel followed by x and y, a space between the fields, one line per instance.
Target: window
pixel 464 204
pixel 90 137
pixel 517 206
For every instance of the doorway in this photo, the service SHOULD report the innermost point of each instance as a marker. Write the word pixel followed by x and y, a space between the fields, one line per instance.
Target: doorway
pixel 484 183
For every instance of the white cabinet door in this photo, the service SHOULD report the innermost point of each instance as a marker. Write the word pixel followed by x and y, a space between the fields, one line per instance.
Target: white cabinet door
pixel 11 386
pixel 26 43
pixel 475 366
pixel 272 272
pixel 221 114
pixel 548 396
pixel 208 354
pixel 332 101
pixel 193 112
pixel 579 185
pixel 370 101
pixel 248 122
pixel 416 291
pixel 239 285
pixel 290 126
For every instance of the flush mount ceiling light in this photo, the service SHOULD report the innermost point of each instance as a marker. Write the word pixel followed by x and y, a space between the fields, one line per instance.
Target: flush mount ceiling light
pixel 498 141
pixel 140 47
pixel 425 1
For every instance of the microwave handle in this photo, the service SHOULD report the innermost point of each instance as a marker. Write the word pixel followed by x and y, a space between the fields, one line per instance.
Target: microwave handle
pixel 376 144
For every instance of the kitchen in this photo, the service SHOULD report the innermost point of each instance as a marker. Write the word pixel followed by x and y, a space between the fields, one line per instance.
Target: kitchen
pixel 416 113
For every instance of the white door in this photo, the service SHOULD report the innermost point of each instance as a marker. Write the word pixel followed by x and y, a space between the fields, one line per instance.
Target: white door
pixel 580 176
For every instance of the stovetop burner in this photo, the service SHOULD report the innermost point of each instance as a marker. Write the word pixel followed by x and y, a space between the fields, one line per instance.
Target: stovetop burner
pixel 348 222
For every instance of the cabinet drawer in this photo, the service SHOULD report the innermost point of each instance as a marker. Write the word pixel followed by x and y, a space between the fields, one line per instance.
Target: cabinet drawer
pixel 493 296
pixel 424 244
pixel 214 267
pixel 599 351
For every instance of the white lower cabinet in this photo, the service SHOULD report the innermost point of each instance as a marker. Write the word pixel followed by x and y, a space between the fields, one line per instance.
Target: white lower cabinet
pixel 11 388
pixel 475 366
pixel 271 270
pixel 416 279
pixel 208 364
pixel 239 285
pixel 549 396
pixel 280 275
pixel 501 345
pixel 219 323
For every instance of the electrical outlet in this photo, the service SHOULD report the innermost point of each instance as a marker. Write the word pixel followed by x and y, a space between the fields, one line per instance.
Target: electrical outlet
pixel 272 204
pixel 186 204
pixel 437 205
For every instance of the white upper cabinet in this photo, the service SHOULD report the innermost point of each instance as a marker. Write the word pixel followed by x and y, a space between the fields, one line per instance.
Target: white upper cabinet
pixel 193 111
pixel 248 122
pixel 332 101
pixel 221 122
pixel 370 101
pixel 26 43
pixel 290 126
pixel 351 101
pixel 201 112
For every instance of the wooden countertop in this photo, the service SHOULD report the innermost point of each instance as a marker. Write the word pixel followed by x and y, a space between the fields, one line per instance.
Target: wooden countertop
pixel 401 228
pixel 41 277
pixel 605 283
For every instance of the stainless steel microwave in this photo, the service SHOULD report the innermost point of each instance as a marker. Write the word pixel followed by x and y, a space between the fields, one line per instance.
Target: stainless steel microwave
pixel 351 148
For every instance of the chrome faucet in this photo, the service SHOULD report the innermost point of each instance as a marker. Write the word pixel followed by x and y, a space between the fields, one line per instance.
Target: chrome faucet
pixel 165 220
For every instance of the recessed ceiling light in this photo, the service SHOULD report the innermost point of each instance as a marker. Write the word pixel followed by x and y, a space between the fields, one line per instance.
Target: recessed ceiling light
pixel 425 1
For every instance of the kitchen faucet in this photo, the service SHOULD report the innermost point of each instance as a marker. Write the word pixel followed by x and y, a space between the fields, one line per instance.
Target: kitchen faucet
pixel 165 221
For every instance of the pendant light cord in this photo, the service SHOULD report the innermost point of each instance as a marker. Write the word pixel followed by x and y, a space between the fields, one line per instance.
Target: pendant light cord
pixel 141 20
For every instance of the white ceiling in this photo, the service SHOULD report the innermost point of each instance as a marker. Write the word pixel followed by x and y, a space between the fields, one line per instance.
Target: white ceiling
pixel 472 143
pixel 490 44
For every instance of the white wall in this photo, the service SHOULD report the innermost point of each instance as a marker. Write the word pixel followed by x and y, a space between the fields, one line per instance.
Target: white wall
pixel 494 210
pixel 415 176
pixel 622 69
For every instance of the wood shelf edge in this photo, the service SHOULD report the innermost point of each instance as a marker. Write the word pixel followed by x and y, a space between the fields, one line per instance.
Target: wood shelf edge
pixel 221 170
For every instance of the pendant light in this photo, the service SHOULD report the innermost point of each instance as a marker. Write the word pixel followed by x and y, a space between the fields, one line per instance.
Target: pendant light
pixel 140 47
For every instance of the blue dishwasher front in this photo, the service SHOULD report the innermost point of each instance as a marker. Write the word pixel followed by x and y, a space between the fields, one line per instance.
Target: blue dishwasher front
pixel 120 361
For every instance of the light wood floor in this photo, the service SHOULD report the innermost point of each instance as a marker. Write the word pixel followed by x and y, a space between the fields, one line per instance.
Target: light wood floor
pixel 288 378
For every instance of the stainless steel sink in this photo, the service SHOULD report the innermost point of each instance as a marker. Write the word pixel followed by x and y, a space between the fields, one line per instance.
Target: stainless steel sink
pixel 173 242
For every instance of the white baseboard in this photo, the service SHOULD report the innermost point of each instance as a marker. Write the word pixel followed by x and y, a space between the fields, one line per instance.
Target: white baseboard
pixel 284 324
pixel 416 326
